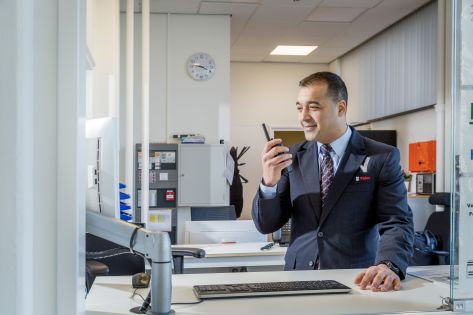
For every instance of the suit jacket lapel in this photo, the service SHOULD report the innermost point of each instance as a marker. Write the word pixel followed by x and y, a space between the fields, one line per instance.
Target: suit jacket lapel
pixel 308 160
pixel 351 161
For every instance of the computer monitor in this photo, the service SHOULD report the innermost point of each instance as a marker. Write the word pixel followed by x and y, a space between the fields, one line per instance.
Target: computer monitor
pixel 102 166
pixel 384 136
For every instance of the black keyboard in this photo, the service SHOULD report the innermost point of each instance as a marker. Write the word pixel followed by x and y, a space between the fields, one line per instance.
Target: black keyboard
pixel 269 289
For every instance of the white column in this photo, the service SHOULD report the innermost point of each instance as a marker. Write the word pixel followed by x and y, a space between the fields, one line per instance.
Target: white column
pixel 71 177
pixel 440 106
pixel 129 148
pixel 24 190
pixel 145 112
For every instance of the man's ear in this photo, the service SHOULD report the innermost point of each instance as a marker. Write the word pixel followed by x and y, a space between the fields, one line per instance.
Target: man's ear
pixel 342 108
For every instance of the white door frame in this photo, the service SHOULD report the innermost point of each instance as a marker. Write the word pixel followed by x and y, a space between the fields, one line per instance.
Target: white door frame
pixel 71 172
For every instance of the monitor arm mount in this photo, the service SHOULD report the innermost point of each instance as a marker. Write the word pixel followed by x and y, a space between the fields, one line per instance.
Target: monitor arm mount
pixel 155 246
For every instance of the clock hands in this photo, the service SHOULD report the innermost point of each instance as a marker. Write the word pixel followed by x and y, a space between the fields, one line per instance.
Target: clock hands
pixel 200 66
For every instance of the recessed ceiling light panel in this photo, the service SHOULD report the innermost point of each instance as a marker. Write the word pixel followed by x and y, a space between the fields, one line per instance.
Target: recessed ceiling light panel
pixel 293 50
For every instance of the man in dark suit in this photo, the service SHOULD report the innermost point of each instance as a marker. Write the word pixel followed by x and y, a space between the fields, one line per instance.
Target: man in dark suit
pixel 344 193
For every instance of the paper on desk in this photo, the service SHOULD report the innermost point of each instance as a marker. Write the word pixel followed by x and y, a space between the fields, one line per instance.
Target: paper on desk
pixel 183 295
pixel 432 273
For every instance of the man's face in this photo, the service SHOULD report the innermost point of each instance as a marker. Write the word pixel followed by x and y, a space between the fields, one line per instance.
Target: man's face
pixel 321 117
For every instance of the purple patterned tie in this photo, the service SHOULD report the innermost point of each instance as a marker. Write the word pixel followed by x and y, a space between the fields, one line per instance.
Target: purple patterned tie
pixel 326 170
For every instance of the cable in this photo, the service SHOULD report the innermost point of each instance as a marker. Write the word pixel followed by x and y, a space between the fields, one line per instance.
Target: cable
pixel 107 253
pixel 147 303
pixel 133 239
pixel 135 293
pixel 132 244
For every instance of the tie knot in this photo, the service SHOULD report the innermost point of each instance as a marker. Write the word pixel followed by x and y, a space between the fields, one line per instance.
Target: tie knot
pixel 325 149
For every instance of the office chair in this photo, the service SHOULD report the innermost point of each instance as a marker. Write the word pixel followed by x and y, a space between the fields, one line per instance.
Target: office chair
pixel 432 246
pixel 213 213
pixel 126 263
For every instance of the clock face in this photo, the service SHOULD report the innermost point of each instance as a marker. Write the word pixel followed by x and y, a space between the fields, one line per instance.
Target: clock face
pixel 201 66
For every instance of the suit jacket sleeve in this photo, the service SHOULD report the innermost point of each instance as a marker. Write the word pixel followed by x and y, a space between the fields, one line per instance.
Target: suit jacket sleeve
pixel 394 216
pixel 271 214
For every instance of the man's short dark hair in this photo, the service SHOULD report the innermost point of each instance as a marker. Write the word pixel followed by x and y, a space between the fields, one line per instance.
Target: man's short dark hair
pixel 336 88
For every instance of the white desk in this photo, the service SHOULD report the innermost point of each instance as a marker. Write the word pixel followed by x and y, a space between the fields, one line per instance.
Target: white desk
pixel 236 255
pixel 111 295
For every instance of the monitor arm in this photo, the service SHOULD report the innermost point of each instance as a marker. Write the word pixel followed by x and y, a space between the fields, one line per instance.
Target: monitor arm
pixel 155 246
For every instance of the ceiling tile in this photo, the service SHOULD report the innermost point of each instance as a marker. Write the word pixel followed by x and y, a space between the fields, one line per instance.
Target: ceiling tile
pixel 271 58
pixel 273 28
pixel 246 57
pixel 254 45
pixel 350 3
pixel 239 10
pixel 334 14
pixel 321 30
pixel 331 50
pixel 291 3
pixel 234 1
pixel 374 21
pixel 403 4
pixel 240 13
pixel 282 13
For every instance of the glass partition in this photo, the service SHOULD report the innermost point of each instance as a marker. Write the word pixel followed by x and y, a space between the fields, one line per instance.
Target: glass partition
pixel 461 283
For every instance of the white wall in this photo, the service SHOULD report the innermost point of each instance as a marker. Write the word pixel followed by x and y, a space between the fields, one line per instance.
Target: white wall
pixel 195 106
pixel 262 93
pixel 103 42
pixel 179 104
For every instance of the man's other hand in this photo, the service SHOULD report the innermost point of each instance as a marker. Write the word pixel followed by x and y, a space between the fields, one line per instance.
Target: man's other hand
pixel 378 278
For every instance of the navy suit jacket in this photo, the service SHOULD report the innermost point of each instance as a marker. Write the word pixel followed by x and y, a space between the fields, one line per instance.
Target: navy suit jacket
pixel 366 218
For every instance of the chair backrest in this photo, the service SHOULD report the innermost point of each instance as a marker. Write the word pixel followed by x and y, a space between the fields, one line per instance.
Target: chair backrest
pixel 121 265
pixel 213 213
pixel 437 224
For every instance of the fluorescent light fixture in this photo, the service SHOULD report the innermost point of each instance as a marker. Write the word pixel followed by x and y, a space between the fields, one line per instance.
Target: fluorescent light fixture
pixel 293 50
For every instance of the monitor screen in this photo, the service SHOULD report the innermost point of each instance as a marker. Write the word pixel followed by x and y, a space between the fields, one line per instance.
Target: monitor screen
pixel 102 166
pixel 384 136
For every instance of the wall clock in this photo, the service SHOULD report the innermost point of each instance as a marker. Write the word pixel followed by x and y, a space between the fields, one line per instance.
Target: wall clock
pixel 201 66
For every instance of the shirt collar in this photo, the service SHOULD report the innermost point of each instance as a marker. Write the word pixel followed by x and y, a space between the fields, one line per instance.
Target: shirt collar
pixel 339 145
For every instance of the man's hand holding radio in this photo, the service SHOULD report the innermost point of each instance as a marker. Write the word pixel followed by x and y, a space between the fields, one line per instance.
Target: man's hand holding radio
pixel 274 159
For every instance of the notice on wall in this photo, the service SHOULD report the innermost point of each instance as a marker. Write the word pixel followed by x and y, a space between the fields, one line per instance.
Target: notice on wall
pixel 159 220
pixel 230 168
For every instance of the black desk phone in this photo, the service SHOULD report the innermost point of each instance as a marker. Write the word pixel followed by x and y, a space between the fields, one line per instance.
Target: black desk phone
pixel 283 235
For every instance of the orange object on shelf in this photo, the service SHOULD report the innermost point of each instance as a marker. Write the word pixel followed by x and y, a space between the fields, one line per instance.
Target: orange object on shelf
pixel 422 157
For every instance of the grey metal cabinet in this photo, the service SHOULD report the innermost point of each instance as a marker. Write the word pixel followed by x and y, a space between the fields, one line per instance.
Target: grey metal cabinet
pixel 201 179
